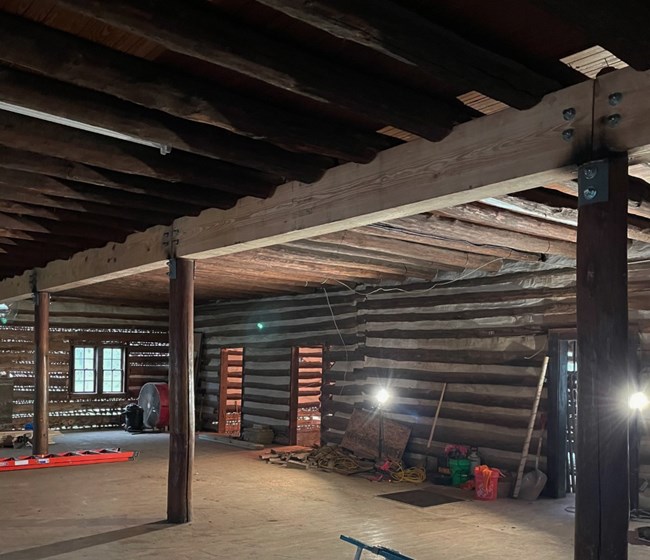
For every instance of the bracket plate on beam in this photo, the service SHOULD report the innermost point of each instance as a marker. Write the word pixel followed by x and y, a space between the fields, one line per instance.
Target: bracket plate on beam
pixel 593 182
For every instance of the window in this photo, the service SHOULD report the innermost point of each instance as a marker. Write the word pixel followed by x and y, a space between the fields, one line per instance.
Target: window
pixel 98 370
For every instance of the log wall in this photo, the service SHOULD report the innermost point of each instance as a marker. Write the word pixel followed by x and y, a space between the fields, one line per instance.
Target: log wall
pixel 143 331
pixel 485 338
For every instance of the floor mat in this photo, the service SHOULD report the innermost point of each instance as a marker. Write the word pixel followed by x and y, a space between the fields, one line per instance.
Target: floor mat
pixel 420 498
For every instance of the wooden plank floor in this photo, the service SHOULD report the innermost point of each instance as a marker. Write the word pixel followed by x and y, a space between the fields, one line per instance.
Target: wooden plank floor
pixel 247 509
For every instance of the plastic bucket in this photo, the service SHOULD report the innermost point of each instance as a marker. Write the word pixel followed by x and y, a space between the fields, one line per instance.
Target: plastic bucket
pixel 486 483
pixel 459 469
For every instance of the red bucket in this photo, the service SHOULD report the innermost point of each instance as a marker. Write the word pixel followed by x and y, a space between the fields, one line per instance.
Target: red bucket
pixel 486 483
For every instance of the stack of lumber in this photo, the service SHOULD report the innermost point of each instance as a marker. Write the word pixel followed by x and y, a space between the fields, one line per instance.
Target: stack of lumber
pixel 328 458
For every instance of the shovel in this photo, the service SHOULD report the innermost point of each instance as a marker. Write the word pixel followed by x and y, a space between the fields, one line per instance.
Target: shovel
pixel 534 481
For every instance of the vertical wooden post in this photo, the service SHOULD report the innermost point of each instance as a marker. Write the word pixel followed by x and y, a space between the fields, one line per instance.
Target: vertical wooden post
pixel 41 382
pixel 602 498
pixel 181 390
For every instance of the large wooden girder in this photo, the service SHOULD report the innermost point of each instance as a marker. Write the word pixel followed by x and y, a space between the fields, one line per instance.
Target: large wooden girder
pixel 492 156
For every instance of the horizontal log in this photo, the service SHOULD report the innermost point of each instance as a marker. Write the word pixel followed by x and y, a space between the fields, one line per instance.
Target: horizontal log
pixel 212 36
pixel 99 110
pixel 25 133
pixel 40 164
pixel 74 60
pixel 398 33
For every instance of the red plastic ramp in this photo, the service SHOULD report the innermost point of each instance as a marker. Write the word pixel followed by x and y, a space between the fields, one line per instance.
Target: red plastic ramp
pixel 69 459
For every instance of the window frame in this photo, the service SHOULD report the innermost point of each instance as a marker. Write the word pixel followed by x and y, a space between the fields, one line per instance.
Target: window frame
pixel 98 369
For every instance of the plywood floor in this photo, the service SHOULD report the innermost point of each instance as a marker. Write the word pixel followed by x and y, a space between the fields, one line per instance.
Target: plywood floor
pixel 246 509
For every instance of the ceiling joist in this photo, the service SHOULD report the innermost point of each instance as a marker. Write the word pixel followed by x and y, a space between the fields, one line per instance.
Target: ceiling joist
pixel 498 154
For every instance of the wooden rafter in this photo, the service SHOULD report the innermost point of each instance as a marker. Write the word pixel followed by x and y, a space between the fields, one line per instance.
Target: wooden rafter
pixel 394 31
pixel 138 185
pixel 525 149
pixel 96 109
pixel 209 35
pixel 73 60
pixel 29 134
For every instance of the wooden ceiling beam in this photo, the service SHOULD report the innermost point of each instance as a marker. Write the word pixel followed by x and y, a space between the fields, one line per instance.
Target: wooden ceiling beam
pixel 12 223
pixel 557 211
pixel 485 215
pixel 638 193
pixel 39 164
pixel 446 225
pixel 501 153
pixel 509 151
pixel 128 220
pixel 35 135
pixel 388 249
pixel 104 111
pixel 206 33
pixel 108 202
pixel 388 230
pixel 396 32
pixel 342 256
pixel 73 60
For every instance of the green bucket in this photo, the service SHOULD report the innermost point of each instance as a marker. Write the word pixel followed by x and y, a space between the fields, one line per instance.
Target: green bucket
pixel 459 471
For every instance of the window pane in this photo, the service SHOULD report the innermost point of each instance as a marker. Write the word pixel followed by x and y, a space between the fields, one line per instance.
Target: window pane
pixel 83 369
pixel 113 370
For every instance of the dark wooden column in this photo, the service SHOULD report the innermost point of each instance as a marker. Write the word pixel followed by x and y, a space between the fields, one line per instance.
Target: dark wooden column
pixel 181 390
pixel 602 500
pixel 41 375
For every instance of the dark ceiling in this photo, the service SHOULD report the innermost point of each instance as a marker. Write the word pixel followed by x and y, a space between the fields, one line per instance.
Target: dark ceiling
pixel 247 95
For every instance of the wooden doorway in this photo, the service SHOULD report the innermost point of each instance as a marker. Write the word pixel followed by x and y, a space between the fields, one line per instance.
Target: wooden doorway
pixel 231 381
pixel 305 395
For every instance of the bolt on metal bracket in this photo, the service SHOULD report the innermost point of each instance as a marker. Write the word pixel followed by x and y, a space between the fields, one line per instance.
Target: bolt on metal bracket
pixel 593 182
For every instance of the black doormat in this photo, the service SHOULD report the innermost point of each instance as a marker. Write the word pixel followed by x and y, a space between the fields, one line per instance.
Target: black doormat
pixel 420 498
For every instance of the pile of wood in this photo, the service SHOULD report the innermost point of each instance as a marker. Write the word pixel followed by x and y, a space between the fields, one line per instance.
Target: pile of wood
pixel 327 458
pixel 295 457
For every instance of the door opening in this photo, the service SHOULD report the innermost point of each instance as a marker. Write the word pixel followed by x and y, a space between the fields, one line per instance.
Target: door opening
pixel 305 395
pixel 231 380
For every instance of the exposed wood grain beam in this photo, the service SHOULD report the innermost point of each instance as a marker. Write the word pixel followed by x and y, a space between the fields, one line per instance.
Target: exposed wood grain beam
pixel 505 152
pixel 104 111
pixel 79 173
pixel 389 248
pixel 450 227
pixel 406 266
pixel 209 35
pixel 128 220
pixel 622 28
pixel 389 230
pixel 74 60
pixel 639 195
pixel 8 222
pixel 96 198
pixel 29 134
pixel 396 32
pixel 558 214
pixel 561 201
pixel 486 215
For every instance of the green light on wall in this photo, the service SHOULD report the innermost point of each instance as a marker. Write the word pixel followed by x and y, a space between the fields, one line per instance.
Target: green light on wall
pixel 260 326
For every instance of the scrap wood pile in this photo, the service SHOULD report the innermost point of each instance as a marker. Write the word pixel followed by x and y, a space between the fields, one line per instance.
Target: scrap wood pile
pixel 336 459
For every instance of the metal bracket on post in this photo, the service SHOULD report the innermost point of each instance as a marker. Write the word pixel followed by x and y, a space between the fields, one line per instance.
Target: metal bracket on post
pixel 170 240
pixel 593 182
pixel 171 263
